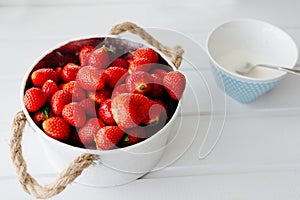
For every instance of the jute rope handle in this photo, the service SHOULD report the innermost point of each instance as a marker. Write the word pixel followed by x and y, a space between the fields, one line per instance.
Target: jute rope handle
pixel 29 184
pixel 75 168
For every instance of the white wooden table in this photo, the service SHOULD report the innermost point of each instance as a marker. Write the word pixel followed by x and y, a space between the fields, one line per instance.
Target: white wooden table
pixel 258 153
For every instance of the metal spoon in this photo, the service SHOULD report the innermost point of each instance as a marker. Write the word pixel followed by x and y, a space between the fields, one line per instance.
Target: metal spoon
pixel 244 70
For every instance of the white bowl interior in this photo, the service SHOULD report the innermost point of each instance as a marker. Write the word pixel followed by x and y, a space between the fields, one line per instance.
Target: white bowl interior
pixel 233 44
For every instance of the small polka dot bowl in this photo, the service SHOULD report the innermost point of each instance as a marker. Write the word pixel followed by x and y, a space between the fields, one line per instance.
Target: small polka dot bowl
pixel 233 44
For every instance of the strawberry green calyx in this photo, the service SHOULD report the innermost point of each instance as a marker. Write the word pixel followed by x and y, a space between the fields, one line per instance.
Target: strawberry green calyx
pixel 126 138
pixel 46 112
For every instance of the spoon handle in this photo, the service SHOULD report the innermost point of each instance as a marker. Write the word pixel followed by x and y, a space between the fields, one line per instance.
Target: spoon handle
pixel 284 69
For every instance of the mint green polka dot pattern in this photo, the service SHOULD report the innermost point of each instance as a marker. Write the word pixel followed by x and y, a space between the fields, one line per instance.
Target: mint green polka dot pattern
pixel 241 90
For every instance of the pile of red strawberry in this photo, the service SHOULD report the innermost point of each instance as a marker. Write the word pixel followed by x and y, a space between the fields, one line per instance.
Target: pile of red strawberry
pixel 101 102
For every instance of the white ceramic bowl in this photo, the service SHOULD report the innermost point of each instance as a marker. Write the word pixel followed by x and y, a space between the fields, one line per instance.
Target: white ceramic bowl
pixel 117 166
pixel 235 43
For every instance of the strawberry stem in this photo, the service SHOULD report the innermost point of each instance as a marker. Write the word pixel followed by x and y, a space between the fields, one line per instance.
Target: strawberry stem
pixel 142 87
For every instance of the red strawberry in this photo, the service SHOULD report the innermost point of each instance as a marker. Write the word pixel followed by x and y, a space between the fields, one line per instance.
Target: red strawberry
pixel 40 76
pixel 119 90
pixel 105 112
pixel 157 87
pixel 133 136
pixel 90 78
pixel 130 61
pixel 142 59
pixel 107 137
pixel 58 71
pixel 99 58
pixel 113 75
pixel 159 72
pixel 49 88
pixel 34 99
pixel 61 86
pixel 120 62
pixel 89 106
pixel 84 54
pixel 99 96
pixel 88 131
pixel 69 72
pixel 139 82
pixel 174 82
pixel 57 128
pixel 41 116
pixel 74 88
pixel 157 114
pixel 130 109
pixel 74 114
pixel 59 100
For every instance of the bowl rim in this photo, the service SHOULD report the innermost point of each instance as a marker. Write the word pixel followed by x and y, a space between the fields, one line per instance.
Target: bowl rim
pixel 246 78
pixel 79 149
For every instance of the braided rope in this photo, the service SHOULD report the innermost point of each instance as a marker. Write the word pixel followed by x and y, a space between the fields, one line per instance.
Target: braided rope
pixel 29 184
pixel 175 53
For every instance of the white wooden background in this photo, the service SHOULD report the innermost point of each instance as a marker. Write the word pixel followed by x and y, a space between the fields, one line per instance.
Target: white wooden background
pixel 258 153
